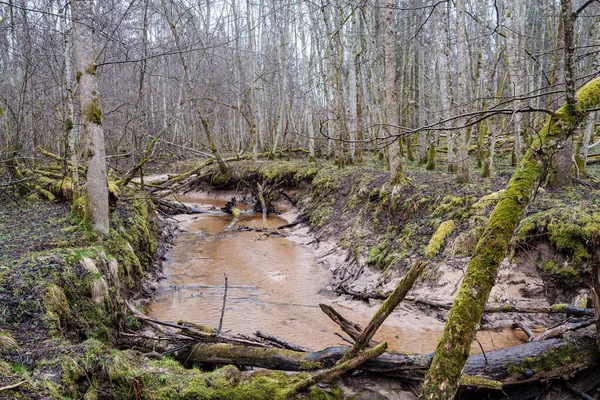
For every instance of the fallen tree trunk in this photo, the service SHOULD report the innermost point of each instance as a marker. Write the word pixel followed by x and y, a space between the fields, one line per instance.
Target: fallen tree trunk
pixel 528 362
pixel 508 308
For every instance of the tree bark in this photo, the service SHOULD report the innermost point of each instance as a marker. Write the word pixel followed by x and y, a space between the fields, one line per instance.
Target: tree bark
pixel 454 346
pixel 390 99
pixel 91 116
pixel 462 98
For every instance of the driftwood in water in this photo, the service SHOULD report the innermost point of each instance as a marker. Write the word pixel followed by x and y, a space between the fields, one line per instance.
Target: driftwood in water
pixel 175 207
pixel 386 308
pixel 231 208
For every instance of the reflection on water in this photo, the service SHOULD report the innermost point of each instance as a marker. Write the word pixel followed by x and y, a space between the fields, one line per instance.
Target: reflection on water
pixel 274 285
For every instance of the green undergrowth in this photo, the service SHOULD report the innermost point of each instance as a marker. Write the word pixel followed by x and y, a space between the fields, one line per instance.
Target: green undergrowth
pixel 70 285
pixel 573 230
pixel 93 370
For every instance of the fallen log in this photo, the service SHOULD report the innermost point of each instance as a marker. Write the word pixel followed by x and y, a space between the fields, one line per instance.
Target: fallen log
pixel 527 362
pixel 508 308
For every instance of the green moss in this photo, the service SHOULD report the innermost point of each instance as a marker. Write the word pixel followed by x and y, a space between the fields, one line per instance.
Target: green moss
pixel 572 230
pixel 7 342
pixel 437 240
pixel 321 214
pixel 430 158
pixel 558 308
pixel 93 112
pixel 382 255
pixel 91 69
pixel 448 203
pixel 546 362
pixel 484 204
pixel 57 308
pixel 5 368
pixel 480 382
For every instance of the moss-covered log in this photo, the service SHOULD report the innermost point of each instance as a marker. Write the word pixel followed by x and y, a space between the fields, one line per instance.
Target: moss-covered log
pixel 519 364
pixel 453 349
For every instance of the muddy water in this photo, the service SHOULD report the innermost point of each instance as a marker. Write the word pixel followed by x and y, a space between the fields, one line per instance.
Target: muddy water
pixel 274 285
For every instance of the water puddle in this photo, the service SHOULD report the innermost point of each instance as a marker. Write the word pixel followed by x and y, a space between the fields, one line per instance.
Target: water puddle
pixel 275 286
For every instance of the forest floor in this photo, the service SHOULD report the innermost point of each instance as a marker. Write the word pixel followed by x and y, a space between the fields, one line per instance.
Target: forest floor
pixel 364 231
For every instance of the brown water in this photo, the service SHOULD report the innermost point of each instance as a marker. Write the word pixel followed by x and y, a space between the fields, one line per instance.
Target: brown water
pixel 275 286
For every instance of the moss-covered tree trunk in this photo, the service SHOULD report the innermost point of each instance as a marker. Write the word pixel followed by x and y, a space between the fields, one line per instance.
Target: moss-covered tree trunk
pixel 442 379
pixel 91 116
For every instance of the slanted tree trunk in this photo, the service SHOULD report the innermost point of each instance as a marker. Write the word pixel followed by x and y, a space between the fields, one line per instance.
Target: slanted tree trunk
pixel 91 116
pixel 453 349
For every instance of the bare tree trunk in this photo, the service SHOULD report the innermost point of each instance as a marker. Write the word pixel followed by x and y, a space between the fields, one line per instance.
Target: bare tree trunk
pixel 462 98
pixel 584 143
pixel 561 175
pixel 70 129
pixel 390 100
pixel 91 116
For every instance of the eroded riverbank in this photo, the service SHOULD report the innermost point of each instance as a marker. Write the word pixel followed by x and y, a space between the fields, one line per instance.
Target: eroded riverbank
pixel 275 285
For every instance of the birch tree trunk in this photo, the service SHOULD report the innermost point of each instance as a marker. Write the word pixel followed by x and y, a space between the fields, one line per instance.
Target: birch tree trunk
pixel 91 116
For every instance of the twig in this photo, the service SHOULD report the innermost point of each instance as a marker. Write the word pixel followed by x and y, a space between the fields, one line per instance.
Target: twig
pixel 14 386
pixel 281 342
pixel 344 338
pixel 482 351
pixel 576 391
pixel 524 328
pixel 223 308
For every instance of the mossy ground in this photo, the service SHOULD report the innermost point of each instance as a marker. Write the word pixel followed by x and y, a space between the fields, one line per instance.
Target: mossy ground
pixel 61 306
pixel 46 289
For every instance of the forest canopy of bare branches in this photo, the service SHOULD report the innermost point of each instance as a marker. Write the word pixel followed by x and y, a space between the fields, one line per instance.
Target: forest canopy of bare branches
pixel 262 76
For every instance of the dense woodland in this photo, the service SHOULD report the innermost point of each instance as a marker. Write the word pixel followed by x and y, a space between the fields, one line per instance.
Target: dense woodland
pixel 339 79
pixel 106 89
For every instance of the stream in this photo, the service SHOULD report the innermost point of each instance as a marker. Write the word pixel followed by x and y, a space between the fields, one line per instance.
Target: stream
pixel 275 285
